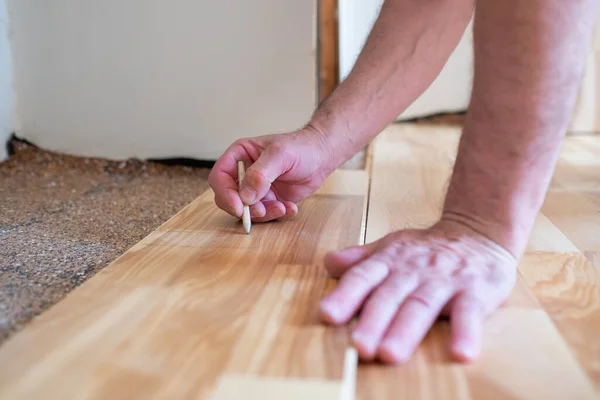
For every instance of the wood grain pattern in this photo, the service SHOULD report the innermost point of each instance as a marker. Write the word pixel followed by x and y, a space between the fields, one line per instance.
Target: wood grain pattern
pixel 165 320
pixel 577 217
pixel 252 388
pixel 198 309
pixel 283 336
pixel 524 355
pixel 408 178
pixel 568 287
pixel 546 236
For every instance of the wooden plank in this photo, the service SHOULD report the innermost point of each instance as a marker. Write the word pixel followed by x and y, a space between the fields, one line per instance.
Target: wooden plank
pixel 165 319
pixel 573 200
pixel 408 177
pixel 568 287
pixel 284 337
pixel 578 166
pixel 545 236
pixel 243 387
pixel 284 326
pixel 576 215
pixel 580 151
pixel 524 356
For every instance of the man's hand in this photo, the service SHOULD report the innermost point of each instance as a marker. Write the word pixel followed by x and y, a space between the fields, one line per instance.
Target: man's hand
pixel 282 170
pixel 386 78
pixel 404 281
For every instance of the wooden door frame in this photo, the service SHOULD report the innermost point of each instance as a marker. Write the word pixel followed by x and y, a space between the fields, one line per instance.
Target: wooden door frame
pixel 328 45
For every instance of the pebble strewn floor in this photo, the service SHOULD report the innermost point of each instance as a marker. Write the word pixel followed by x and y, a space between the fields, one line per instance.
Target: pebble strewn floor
pixel 64 218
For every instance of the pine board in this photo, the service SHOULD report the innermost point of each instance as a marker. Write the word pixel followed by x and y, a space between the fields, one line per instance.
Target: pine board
pixel 541 344
pixel 200 310
pixel 197 304
pixel 568 287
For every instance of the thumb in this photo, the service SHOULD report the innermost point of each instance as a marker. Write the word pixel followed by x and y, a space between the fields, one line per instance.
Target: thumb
pixel 270 165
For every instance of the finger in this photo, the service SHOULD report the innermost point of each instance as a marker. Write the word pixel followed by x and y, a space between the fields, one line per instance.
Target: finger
pixel 414 319
pixel 269 196
pixel 354 286
pixel 229 201
pixel 222 180
pixel 273 210
pixel 272 163
pixel 257 210
pixel 291 209
pixel 338 262
pixel 466 319
pixel 379 311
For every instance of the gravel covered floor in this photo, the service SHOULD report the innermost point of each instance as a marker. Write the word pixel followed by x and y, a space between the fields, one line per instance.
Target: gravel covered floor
pixel 64 218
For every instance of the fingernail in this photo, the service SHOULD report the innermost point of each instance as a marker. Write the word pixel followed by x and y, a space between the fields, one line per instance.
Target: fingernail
pixel 389 353
pixel 365 345
pixel 247 195
pixel 359 339
pixel 330 309
pixel 465 350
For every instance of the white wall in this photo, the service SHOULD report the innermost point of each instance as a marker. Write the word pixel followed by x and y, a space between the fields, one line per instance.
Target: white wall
pixel 6 93
pixel 160 78
pixel 450 92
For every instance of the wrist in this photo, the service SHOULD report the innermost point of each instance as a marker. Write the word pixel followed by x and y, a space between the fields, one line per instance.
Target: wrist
pixel 324 147
pixel 335 140
pixel 495 194
pixel 505 235
pixel 461 229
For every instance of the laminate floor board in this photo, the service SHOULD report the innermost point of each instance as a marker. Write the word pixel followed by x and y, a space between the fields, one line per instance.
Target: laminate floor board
pixel 196 305
pixel 523 357
pixel 409 178
pixel 545 236
pixel 576 215
pixel 569 177
pixel 568 287
pixel 200 310
pixel 580 151
pixel 533 346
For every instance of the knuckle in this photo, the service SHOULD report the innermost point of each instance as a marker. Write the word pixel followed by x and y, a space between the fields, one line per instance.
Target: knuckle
pixel 472 304
pixel 398 282
pixel 387 291
pixel 256 177
pixel 278 148
pixel 432 292
pixel 281 151
pixel 468 275
pixel 392 252
pixel 360 274
pixel 421 300
pixel 371 273
pixel 211 180
pixel 239 142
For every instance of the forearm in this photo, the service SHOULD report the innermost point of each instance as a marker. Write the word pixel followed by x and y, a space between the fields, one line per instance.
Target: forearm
pixel 529 56
pixel 408 46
